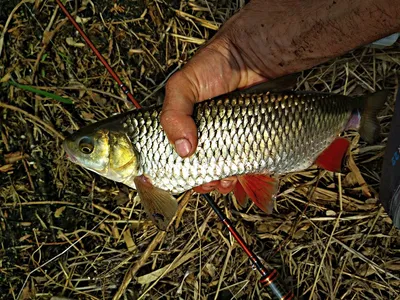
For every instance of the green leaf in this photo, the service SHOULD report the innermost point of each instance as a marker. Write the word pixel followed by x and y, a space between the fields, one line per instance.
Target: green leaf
pixel 41 93
pixel 44 57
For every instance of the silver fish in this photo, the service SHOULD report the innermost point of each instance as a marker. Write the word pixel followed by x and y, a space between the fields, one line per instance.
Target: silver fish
pixel 267 134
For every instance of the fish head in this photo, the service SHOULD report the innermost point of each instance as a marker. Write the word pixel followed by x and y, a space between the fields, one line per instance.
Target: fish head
pixel 105 152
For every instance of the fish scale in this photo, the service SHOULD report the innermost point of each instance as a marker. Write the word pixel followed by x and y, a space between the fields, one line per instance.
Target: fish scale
pixel 265 133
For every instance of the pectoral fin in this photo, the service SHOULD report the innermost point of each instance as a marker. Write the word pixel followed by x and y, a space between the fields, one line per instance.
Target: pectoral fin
pixel 261 189
pixel 159 204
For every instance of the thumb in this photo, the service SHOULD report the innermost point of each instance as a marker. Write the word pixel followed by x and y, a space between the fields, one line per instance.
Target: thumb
pixel 213 71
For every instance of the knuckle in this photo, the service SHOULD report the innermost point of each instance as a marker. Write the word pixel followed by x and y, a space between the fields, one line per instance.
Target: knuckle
pixel 165 119
pixel 172 81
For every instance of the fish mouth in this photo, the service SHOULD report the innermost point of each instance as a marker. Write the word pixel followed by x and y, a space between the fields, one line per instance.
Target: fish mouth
pixel 68 154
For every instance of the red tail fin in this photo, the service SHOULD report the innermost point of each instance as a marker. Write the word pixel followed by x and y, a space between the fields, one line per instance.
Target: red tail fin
pixel 260 189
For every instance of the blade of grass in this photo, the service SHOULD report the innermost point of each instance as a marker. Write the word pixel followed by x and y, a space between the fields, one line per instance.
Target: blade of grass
pixel 41 93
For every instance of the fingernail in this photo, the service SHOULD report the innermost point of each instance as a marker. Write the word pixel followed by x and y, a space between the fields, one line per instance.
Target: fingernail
pixel 183 147
pixel 226 183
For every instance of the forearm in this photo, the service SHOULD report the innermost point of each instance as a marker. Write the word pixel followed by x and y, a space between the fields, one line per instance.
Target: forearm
pixel 297 35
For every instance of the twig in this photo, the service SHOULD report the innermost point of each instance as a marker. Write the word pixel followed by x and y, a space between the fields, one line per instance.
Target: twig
pixel 323 256
pixel 57 256
pixel 9 20
pixel 357 254
pixel 106 211
pixel 353 167
pixel 228 256
pixel 202 22
pixel 47 36
pixel 136 267
pixel 37 203
pixel 33 118
pixel 28 174
pixel 189 245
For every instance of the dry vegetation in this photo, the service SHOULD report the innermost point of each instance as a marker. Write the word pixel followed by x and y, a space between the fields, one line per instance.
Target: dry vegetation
pixel 70 233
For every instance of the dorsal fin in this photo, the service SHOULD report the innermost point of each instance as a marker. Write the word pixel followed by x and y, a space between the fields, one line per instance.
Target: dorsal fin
pixel 280 84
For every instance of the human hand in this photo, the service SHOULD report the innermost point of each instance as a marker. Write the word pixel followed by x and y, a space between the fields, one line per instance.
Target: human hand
pixel 265 40
pixel 223 186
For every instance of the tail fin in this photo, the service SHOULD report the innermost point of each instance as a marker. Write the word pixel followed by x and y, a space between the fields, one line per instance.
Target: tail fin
pixel 369 124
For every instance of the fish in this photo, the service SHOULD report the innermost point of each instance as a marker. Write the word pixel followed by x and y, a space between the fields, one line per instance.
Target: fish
pixel 256 136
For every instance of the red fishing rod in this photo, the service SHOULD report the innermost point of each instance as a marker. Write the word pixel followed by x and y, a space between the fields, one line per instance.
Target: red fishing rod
pixel 123 87
pixel 268 276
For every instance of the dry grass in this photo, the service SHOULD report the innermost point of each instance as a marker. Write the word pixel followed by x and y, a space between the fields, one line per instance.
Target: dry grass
pixel 76 235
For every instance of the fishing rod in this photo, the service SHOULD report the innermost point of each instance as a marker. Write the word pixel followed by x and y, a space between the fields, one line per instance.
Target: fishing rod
pixel 123 87
pixel 268 276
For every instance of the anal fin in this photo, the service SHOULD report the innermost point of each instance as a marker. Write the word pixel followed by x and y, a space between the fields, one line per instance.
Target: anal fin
pixel 240 194
pixel 261 189
pixel 331 158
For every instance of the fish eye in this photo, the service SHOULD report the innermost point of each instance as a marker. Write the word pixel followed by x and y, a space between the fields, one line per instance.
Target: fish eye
pixel 86 145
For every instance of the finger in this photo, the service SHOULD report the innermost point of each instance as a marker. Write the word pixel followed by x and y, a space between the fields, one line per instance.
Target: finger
pixel 224 186
pixel 227 185
pixel 176 116
pixel 202 190
pixel 206 188
pixel 211 72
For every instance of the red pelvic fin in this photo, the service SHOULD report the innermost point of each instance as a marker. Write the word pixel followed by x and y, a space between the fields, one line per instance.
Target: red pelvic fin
pixel 240 194
pixel 331 158
pixel 260 189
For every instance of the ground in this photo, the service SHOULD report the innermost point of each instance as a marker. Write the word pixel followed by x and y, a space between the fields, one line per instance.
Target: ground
pixel 66 232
